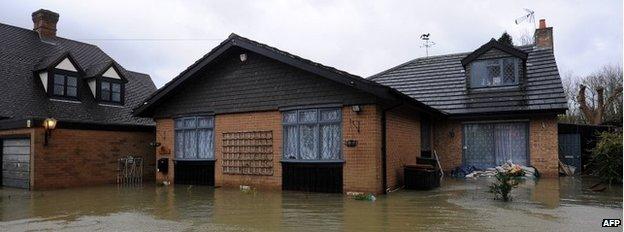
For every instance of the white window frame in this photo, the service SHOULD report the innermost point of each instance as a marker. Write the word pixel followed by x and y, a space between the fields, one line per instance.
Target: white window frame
pixel 317 124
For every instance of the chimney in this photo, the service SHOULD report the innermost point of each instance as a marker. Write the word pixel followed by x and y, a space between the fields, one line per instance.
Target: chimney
pixel 45 23
pixel 543 36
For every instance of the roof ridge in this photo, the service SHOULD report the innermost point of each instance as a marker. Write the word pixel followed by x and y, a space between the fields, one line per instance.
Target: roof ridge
pixel 374 76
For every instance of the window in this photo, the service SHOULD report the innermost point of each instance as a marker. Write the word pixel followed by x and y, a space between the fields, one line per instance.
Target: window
pixel 494 72
pixel 194 138
pixel 110 91
pixel 312 134
pixel 65 85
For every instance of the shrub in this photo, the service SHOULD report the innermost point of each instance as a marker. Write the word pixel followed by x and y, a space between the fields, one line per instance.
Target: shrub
pixel 607 157
pixel 505 182
pixel 364 197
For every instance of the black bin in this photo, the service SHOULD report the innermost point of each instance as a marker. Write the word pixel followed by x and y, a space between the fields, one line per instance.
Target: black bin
pixel 421 177
pixel 163 165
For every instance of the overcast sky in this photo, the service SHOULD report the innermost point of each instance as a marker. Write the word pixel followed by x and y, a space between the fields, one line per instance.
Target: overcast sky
pixel 162 38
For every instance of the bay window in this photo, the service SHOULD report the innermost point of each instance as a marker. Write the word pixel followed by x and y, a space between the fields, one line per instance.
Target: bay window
pixel 194 138
pixel 312 134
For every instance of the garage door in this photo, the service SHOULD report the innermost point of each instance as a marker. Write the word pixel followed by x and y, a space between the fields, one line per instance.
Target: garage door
pixel 16 163
pixel 491 144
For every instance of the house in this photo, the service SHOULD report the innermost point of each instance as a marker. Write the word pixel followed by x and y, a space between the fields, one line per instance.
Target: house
pixel 501 102
pixel 250 114
pixel 66 110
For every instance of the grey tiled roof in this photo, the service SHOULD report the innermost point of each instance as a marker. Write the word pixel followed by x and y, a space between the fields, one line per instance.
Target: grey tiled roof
pixel 22 95
pixel 440 82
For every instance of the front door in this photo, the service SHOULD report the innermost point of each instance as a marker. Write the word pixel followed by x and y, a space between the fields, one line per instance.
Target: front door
pixel 490 144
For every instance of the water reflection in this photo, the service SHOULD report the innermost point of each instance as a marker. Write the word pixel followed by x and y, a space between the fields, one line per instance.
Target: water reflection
pixel 460 205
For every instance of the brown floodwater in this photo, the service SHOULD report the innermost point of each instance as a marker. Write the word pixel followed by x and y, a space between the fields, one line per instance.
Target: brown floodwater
pixel 562 204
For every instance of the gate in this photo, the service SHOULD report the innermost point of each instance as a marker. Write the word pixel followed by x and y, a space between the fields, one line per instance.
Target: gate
pixel 570 150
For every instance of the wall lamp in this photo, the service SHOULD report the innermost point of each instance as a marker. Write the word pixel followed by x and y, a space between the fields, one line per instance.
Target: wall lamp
pixel 49 124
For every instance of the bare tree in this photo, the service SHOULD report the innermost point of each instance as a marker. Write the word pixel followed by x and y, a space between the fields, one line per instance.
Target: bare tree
pixel 600 96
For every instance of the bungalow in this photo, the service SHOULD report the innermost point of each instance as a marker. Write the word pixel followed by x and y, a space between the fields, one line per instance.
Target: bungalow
pixel 501 102
pixel 66 110
pixel 247 113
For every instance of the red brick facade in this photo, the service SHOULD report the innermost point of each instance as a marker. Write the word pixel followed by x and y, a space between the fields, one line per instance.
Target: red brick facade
pixel 361 170
pixel 402 144
pixel 543 144
pixel 362 166
pixel 82 157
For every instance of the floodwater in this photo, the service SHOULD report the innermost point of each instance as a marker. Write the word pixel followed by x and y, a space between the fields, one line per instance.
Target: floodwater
pixel 562 204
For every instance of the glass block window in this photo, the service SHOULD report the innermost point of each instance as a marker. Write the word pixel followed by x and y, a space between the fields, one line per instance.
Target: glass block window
pixel 494 72
pixel 194 138
pixel 65 86
pixel 312 134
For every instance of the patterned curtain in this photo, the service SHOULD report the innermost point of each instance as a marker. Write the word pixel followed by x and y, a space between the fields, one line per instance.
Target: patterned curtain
pixel 330 142
pixel 308 142
pixel 312 134
pixel 511 143
pixel 290 142
pixel 194 138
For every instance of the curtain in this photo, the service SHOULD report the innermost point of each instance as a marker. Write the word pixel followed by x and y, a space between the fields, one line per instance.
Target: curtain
pixel 308 148
pixel 205 143
pixel 179 144
pixel 190 141
pixel 330 115
pixel 312 134
pixel 511 143
pixel 479 144
pixel 330 142
pixel 290 142
pixel 307 116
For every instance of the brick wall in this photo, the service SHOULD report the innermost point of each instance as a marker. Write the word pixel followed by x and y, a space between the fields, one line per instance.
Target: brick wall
pixel 402 144
pixel 257 121
pixel 164 135
pixel 447 142
pixel 362 166
pixel 82 157
pixel 87 157
pixel 543 144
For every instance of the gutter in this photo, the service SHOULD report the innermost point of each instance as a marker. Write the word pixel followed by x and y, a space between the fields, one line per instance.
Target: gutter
pixel 384 155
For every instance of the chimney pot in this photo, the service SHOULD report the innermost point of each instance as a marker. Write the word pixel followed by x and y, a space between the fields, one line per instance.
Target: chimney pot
pixel 543 36
pixel 45 23
pixel 542 23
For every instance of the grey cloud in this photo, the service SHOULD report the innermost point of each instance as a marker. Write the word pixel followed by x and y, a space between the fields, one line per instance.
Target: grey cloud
pixel 361 37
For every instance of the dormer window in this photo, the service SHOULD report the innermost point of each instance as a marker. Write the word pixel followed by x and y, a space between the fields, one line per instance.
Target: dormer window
pixel 60 76
pixel 111 90
pixel 494 72
pixel 65 85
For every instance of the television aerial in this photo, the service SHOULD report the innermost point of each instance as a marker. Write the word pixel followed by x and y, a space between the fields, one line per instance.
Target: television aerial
pixel 529 17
